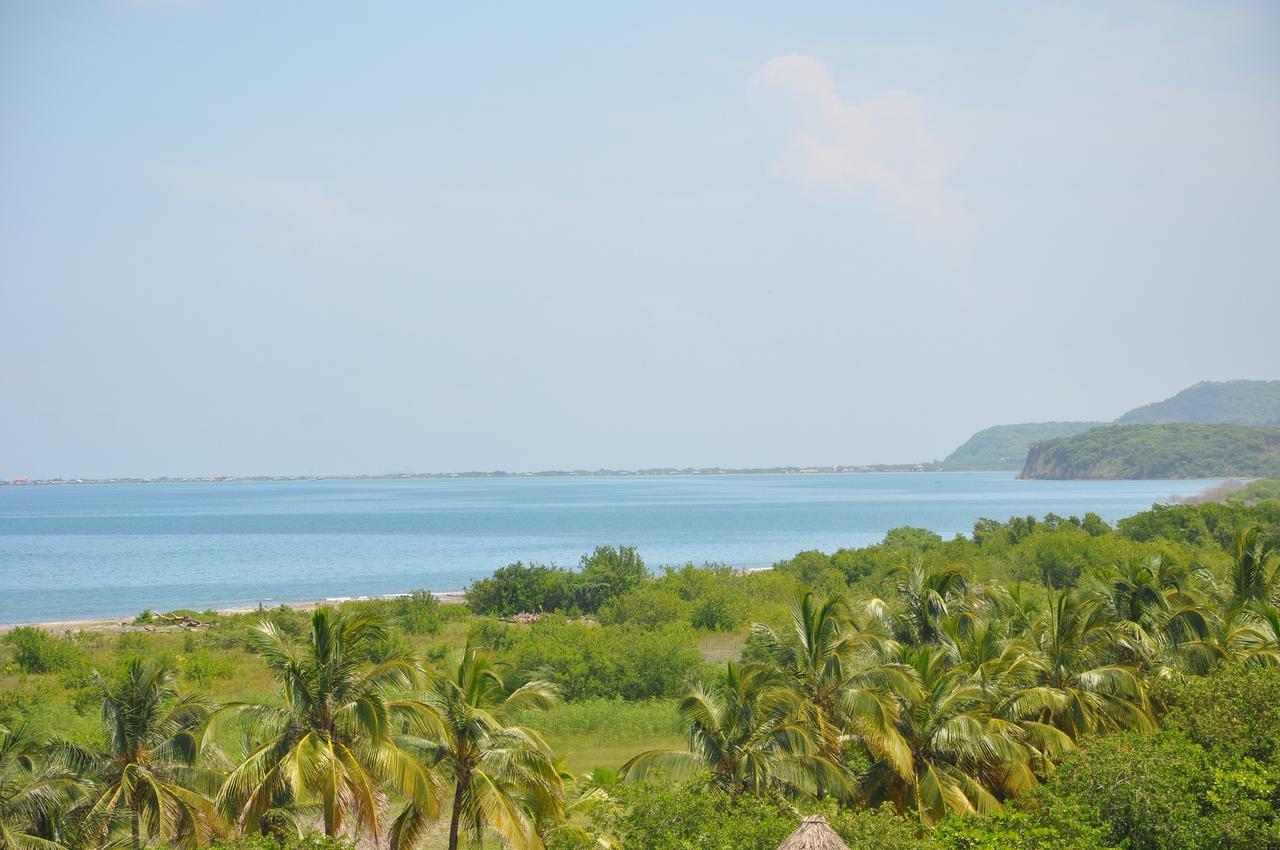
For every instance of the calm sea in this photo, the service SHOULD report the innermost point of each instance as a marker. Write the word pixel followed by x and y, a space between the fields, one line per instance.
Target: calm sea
pixel 80 551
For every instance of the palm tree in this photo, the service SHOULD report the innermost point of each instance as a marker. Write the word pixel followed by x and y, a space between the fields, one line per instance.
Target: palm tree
pixel 928 596
pixel 1255 577
pixel 750 733
pixel 1083 687
pixel 500 771
pixel 149 774
pixel 563 824
pixel 847 692
pixel 1157 612
pixel 962 759
pixel 331 742
pixel 33 792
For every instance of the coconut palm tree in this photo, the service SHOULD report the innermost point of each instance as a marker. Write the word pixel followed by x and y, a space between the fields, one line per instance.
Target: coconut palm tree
pixel 848 693
pixel 750 732
pixel 962 759
pixel 150 774
pixel 928 596
pixel 1255 575
pixel 568 824
pixel 330 743
pixel 1158 611
pixel 501 772
pixel 1248 635
pixel 33 792
pixel 1083 687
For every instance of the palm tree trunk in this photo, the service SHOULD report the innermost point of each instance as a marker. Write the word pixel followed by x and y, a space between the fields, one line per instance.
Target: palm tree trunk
pixel 137 832
pixel 455 820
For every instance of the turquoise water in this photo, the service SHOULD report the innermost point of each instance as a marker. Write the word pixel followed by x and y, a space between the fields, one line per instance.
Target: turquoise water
pixel 102 550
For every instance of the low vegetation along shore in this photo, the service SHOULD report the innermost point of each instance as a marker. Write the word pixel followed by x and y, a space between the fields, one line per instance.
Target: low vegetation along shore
pixel 1044 682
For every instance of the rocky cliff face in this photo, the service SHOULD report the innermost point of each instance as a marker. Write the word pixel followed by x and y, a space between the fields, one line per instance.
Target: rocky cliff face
pixel 1052 461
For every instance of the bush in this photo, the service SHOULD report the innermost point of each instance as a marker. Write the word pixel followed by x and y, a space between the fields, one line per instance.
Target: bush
pixel 606 661
pixel 203 667
pixel 880 829
pixel 718 611
pixel 311 841
pixel 690 817
pixel 814 570
pixel 418 613
pixel 911 539
pixel 491 634
pixel 1152 792
pixel 1233 713
pixel 647 607
pixel 606 573
pixel 1032 824
pixel 517 587
pixel 33 650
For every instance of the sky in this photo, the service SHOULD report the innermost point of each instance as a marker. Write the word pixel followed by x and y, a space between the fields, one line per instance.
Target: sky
pixel 327 238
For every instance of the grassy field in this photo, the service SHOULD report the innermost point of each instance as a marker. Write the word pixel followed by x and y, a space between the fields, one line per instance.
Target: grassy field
pixel 216 661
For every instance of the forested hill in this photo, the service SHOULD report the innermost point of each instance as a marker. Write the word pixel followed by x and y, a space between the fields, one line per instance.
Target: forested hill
pixel 1167 450
pixel 1005 446
pixel 1235 402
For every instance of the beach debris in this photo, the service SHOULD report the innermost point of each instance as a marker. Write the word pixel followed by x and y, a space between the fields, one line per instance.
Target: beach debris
pixel 176 619
pixel 524 618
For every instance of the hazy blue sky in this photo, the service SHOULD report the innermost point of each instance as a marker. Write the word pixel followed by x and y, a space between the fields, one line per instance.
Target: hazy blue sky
pixel 306 238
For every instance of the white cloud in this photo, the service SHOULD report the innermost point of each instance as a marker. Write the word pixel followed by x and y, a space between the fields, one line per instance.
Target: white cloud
pixel 882 145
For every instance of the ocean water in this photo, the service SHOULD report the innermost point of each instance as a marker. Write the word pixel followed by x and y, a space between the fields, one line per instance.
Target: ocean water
pixel 106 550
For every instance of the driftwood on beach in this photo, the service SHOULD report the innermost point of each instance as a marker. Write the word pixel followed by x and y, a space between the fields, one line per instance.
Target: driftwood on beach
pixel 182 620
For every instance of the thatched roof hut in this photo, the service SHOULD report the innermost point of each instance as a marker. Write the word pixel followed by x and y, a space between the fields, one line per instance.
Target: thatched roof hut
pixel 813 834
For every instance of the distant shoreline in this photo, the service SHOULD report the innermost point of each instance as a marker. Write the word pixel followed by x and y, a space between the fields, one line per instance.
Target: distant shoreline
pixel 125 622
pixel 659 472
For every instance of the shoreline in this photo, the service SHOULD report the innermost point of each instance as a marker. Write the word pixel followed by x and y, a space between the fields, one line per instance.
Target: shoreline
pixel 125 621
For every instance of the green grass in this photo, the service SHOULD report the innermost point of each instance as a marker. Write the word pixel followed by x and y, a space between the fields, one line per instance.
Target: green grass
pixel 605 733
pixel 719 647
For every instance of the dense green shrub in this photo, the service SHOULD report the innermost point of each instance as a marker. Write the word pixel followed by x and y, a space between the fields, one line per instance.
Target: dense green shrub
pixel 492 634
pixel 311 841
pixel 911 539
pixel 1033 824
pixel 813 569
pixel 649 607
pixel 1234 713
pixel 1202 525
pixel 417 613
pixel 606 661
pixel 518 587
pixel 203 667
pixel 688 817
pixel 718 611
pixel 34 650
pixel 604 574
pixel 1147 790
pixel 1163 791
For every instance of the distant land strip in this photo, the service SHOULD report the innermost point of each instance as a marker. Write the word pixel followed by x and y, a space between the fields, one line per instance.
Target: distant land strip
pixel 551 473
